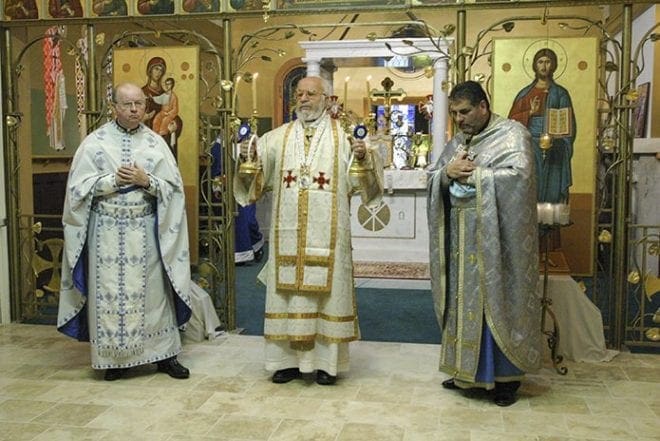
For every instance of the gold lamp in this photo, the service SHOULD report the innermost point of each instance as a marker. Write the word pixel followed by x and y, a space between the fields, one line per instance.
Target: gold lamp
pixel 545 143
pixel 605 236
pixel 421 147
pixel 358 171
pixel 250 166
pixel 653 334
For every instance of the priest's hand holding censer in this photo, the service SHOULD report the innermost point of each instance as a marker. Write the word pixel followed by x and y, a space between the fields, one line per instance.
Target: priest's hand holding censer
pixel 359 148
pixel 249 161
pixel 360 165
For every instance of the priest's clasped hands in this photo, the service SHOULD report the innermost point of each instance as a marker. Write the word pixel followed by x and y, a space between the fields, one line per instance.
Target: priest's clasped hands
pixel 132 175
pixel 460 168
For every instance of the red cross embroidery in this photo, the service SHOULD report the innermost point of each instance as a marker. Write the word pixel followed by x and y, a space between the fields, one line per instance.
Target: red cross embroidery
pixel 322 180
pixel 289 178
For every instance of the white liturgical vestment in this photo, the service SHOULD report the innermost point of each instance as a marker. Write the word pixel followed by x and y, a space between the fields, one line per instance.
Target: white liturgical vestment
pixel 310 298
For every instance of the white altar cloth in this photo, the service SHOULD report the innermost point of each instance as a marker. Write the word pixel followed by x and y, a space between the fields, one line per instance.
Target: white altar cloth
pixel 579 321
pixel 204 322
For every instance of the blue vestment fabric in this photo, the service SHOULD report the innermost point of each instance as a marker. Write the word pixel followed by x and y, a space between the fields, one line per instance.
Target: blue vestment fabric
pixel 248 238
pixel 492 362
pixel 247 229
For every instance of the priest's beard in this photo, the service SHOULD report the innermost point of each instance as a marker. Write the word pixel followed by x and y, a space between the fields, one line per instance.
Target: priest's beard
pixel 308 115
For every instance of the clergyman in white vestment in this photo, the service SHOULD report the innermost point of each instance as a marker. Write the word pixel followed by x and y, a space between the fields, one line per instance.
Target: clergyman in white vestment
pixel 125 267
pixel 310 298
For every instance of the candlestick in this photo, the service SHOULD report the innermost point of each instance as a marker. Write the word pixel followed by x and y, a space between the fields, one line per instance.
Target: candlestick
pixel 254 92
pixel 346 91
pixel 233 100
pixel 368 88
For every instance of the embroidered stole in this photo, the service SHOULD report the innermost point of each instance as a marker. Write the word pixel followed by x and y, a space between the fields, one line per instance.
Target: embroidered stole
pixel 306 228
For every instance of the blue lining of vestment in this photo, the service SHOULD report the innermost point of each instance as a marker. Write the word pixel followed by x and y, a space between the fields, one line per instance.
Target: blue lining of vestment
pixel 492 361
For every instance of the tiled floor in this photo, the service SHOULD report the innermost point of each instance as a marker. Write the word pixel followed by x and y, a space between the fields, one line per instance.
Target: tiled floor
pixel 49 392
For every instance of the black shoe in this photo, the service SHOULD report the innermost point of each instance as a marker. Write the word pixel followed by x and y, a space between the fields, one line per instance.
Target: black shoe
pixel 114 374
pixel 173 368
pixel 285 375
pixel 324 378
pixel 450 384
pixel 505 393
pixel 258 255
pixel 504 399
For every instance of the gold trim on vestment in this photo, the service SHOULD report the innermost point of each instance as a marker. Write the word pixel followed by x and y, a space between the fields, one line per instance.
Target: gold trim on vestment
pixel 304 345
pixel 333 211
pixel 356 326
pixel 442 278
pixel 308 316
pixel 301 242
pixel 303 206
pixel 481 271
pixel 459 349
pixel 471 344
pixel 312 337
pixel 276 239
pixel 460 293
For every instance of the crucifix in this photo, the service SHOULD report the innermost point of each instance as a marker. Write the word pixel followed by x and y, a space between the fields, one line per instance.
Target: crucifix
pixel 387 94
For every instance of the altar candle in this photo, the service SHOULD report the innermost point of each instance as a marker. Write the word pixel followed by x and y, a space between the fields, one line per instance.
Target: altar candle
pixel 254 92
pixel 346 91
pixel 233 101
pixel 368 88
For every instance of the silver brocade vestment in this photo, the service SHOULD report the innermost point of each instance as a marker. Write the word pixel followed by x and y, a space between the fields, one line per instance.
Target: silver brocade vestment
pixel 490 270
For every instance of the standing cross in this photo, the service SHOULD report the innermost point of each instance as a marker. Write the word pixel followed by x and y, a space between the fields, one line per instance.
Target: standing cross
pixel 387 95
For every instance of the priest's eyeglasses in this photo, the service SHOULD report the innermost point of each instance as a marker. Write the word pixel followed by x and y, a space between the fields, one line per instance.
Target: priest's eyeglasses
pixel 311 94
pixel 129 105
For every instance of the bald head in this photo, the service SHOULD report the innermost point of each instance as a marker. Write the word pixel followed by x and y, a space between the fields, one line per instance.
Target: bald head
pixel 130 104
pixel 125 88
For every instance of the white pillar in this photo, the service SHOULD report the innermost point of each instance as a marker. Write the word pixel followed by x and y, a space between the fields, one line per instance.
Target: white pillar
pixel 313 66
pixel 5 312
pixel 440 107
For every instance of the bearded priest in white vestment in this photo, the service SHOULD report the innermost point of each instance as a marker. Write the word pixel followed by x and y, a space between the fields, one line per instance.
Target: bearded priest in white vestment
pixel 310 298
pixel 125 268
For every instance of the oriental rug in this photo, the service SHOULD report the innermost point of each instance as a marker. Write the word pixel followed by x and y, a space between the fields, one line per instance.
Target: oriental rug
pixel 391 270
